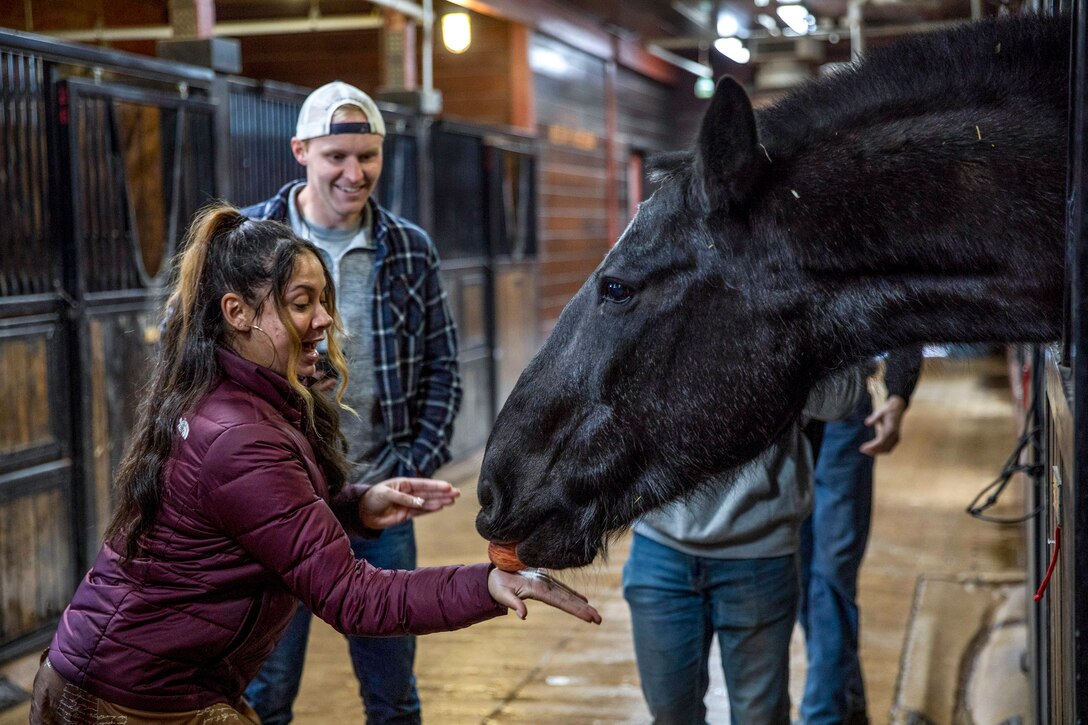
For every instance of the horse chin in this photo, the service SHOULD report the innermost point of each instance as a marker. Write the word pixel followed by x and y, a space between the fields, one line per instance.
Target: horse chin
pixel 551 549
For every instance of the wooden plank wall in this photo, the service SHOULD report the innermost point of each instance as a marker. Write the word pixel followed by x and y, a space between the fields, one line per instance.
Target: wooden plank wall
pixel 41 17
pixel 645 125
pixel 569 88
pixel 36 540
pixel 475 84
pixel 36 545
pixel 313 59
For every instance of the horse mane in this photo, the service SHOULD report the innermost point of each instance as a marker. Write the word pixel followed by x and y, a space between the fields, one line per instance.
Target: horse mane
pixel 968 66
pixel 665 166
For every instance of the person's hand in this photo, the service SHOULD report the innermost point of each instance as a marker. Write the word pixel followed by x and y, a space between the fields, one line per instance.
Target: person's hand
pixel 396 500
pixel 887 418
pixel 510 589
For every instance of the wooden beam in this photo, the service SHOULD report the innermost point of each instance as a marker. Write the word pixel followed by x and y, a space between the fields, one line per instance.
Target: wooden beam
pixel 575 29
pixel 192 18
pixel 522 94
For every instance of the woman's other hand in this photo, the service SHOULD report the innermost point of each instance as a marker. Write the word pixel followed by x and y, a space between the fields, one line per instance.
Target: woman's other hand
pixel 396 500
pixel 511 589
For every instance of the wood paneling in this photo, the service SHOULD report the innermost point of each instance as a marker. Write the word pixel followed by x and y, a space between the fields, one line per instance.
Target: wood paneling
pixel 141 137
pixel 81 15
pixel 24 387
pixel 313 59
pixel 119 359
pixel 642 120
pixel 99 466
pixel 476 84
pixel 35 560
pixel 570 88
pixel 522 100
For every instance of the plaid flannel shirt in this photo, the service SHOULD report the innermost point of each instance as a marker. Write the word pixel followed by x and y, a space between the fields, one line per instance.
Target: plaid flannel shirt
pixel 415 342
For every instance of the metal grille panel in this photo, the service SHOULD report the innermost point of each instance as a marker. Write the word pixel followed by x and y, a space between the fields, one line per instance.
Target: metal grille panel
pixel 261 160
pixel 29 264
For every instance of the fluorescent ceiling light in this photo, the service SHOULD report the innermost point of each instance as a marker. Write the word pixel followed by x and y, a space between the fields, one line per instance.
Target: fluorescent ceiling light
pixel 728 25
pixel 767 22
pixel 732 49
pixel 795 16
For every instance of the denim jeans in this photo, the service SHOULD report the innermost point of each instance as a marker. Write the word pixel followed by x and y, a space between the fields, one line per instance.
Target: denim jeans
pixel 679 602
pixel 833 543
pixel 383 665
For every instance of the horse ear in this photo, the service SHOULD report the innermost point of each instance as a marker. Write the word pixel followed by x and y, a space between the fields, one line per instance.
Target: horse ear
pixel 728 154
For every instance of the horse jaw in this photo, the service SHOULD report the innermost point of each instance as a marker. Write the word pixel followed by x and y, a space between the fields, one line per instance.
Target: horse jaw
pixel 594 434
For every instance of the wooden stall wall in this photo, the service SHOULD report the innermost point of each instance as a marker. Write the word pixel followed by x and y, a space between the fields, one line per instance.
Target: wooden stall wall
pixel 43 17
pixel 37 545
pixel 140 164
pixel 570 98
pixel 313 59
pixel 645 125
pixel 97 180
pixel 476 84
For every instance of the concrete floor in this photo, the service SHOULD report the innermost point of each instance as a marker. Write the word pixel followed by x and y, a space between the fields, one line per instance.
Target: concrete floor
pixel 554 669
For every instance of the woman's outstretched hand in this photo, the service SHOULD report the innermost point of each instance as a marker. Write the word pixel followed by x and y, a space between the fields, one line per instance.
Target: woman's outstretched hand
pixel 396 500
pixel 510 589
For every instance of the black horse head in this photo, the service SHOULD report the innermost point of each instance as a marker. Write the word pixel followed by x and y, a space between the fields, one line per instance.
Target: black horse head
pixel 861 213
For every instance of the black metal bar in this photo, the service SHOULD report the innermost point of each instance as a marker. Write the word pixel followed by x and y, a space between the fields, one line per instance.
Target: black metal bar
pixel 7 231
pixel 1036 535
pixel 1077 234
pixel 51 49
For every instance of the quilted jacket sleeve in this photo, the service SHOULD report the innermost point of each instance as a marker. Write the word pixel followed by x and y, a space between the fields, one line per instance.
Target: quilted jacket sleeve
pixel 258 490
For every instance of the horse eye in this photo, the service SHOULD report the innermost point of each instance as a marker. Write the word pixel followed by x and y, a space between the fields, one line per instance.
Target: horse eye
pixel 615 291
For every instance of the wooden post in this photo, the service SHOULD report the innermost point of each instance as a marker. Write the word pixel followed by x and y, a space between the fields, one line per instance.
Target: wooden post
pixel 192 18
pixel 398 51
pixel 522 106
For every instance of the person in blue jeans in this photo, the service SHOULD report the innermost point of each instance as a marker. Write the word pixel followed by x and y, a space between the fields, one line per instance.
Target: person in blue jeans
pixel 403 384
pixel 833 541
pixel 724 563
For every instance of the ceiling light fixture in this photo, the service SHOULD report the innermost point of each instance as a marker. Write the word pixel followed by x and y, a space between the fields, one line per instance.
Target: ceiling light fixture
pixel 796 17
pixel 728 25
pixel 767 22
pixel 733 49
pixel 456 32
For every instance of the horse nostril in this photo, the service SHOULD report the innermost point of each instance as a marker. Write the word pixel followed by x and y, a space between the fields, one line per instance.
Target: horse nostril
pixel 485 492
pixel 485 519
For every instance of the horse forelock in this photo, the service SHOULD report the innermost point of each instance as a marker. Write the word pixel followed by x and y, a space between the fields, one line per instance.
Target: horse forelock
pixel 662 168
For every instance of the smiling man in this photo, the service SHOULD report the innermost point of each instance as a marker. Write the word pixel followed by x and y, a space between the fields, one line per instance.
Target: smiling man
pixel 401 349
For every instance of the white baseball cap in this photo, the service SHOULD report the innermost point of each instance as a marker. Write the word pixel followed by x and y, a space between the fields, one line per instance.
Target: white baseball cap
pixel 315 118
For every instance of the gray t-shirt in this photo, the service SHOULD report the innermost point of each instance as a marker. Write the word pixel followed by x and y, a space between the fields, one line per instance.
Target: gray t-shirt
pixel 349 254
pixel 757 510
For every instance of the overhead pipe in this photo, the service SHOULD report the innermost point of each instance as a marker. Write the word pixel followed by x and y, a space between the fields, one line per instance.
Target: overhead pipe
pixel 701 70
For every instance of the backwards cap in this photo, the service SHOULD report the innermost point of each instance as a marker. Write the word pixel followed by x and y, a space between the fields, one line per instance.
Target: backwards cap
pixel 315 118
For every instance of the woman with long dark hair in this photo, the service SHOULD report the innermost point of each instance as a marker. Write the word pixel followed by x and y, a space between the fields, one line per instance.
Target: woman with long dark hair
pixel 232 504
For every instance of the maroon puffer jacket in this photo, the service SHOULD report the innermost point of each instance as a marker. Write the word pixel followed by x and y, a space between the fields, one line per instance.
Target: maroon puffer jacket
pixel 243 531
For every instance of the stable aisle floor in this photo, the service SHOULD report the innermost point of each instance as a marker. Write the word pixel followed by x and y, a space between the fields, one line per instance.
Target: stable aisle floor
pixel 553 669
